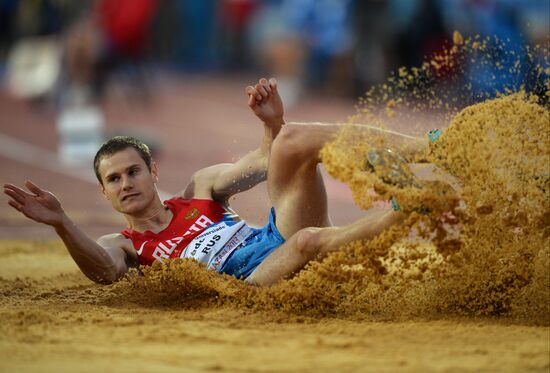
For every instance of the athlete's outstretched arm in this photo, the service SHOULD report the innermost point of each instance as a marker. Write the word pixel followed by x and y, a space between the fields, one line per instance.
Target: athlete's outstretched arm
pixel 103 263
pixel 222 181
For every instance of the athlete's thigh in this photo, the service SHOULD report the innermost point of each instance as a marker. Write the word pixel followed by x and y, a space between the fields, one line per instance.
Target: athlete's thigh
pixel 280 264
pixel 294 180
pixel 299 197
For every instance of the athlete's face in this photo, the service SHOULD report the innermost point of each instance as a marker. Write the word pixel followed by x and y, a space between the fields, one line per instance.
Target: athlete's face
pixel 127 182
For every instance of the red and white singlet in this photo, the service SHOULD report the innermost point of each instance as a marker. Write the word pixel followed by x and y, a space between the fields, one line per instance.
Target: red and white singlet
pixel 200 229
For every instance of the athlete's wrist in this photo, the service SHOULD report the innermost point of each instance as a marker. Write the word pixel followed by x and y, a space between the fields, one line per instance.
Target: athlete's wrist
pixel 278 118
pixel 273 127
pixel 63 223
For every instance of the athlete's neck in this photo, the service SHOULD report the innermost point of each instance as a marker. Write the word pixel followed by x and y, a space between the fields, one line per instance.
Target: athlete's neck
pixel 154 219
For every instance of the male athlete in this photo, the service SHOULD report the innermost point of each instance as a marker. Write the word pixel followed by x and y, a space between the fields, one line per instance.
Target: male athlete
pixel 198 223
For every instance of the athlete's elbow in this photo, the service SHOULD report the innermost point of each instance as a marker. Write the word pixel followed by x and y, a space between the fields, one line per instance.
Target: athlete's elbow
pixel 222 194
pixel 102 279
pixel 105 276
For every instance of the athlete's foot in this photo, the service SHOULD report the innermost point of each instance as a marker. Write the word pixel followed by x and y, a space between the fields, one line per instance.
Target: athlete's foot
pixel 391 168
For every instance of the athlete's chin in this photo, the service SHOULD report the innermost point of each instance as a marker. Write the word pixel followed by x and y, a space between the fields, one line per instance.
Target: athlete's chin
pixel 130 206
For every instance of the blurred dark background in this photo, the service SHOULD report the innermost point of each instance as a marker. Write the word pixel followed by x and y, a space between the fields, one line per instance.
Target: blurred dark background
pixel 173 73
pixel 332 47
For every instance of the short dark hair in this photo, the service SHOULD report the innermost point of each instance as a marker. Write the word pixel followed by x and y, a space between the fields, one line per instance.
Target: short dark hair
pixel 117 144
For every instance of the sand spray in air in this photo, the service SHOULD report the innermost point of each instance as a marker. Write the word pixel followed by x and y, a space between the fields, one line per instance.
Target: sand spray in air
pixel 481 251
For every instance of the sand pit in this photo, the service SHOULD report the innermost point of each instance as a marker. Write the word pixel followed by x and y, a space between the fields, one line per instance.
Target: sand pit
pixel 54 319
pixel 468 291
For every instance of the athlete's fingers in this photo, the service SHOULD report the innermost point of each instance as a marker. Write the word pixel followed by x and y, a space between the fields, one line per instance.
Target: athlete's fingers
pixel 13 187
pixel 16 191
pixel 273 85
pixel 15 205
pixel 253 91
pixel 265 84
pixel 34 188
pixel 251 101
pixel 249 90
pixel 255 94
pixel 261 90
pixel 15 196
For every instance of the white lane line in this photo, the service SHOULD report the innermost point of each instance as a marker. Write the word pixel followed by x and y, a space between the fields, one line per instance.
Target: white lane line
pixel 23 152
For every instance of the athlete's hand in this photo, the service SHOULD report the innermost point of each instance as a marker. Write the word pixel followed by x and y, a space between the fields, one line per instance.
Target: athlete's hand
pixel 39 205
pixel 265 102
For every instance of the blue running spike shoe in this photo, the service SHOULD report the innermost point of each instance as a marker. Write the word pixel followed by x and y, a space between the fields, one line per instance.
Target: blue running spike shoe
pixel 391 168
pixel 434 135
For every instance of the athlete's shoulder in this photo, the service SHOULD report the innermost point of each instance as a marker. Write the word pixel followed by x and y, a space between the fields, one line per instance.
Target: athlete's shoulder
pixel 113 240
pixel 116 244
pixel 202 181
pixel 179 203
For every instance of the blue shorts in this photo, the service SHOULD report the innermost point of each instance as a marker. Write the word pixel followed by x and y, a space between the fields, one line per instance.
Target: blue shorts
pixel 263 241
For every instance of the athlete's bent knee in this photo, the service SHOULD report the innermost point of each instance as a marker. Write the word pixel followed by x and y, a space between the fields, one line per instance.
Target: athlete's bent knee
pixel 309 242
pixel 293 144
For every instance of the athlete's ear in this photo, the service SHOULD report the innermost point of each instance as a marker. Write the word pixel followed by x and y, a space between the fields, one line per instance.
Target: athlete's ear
pixel 102 190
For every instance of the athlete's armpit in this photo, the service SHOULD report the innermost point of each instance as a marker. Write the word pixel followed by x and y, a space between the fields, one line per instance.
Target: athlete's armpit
pixel 121 250
pixel 189 191
pixel 202 183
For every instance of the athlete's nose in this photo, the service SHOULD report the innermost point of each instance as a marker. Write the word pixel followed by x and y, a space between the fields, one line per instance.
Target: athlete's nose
pixel 126 183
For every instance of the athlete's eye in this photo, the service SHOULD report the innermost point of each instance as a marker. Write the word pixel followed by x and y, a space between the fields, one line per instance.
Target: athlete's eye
pixel 113 179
